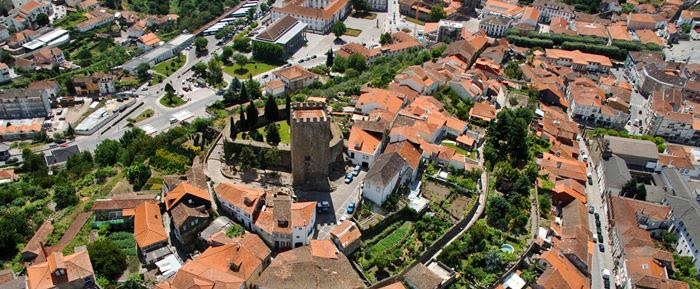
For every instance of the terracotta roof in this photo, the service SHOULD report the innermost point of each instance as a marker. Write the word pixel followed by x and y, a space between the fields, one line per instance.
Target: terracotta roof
pixel 395 285
pixel 346 232
pixel 183 189
pixel 124 201
pixel 483 110
pixel 244 197
pixel 299 268
pixel 274 84
pixel 578 56
pixel 388 100
pixel 149 39
pixel 294 72
pixel 619 32
pixel 39 237
pixel 148 225
pixel 77 266
pixel 421 277
pixel 590 29
pixel 642 18
pixel 560 168
pixel 303 213
pixel 531 13
pixel 226 266
pixel 181 212
pixel 407 151
pixel 356 48
pixel 29 6
pixel 561 274
pixel 363 141
pixel 8 174
pixel 503 8
pixel 649 36
pixel 323 249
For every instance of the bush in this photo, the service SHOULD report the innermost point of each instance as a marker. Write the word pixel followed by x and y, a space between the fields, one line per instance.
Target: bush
pixel 107 258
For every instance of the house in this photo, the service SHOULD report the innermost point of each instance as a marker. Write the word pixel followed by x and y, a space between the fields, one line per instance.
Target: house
pixel 347 237
pixel 578 60
pixel 149 233
pixel 8 176
pixel 49 86
pixel 27 13
pixel 502 9
pixel 319 16
pixel 560 273
pixel 49 56
pixel 379 99
pixel 356 48
pixel 287 32
pixel 551 8
pixel 188 208
pixel 96 18
pixel 383 177
pixel 466 89
pixel 587 105
pixel 433 276
pixel 10 280
pixel 685 212
pixel 638 21
pixel 635 63
pixel 295 78
pixel 120 208
pixel 34 250
pixel 59 156
pixel 59 271
pixel 98 83
pixel 274 88
pixel 4 33
pixel 216 233
pixel 233 265
pixel 641 264
pixel 638 154
pixel 319 265
pixel 418 79
pixel 559 168
pixel 495 25
pixel 280 222
pixel 482 111
pixel 148 41
pixel 364 146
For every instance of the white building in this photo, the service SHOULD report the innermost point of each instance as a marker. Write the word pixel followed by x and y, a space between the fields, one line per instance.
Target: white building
pixel 363 146
pixel 388 171
pixel 280 222
pixel 26 15
pixel 685 213
pixel 24 103
pixel 378 5
pixel 4 73
pixel 160 54
pixel 319 15
pixel 552 8
pixel 494 25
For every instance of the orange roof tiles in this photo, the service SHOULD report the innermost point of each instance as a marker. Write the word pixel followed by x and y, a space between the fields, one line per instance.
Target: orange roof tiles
pixel 303 213
pixel 274 84
pixel 619 32
pixel 649 36
pixel 76 266
pixel 324 249
pixel 244 197
pixel 148 225
pixel 363 141
pixel 407 151
pixel 560 168
pixel 347 233
pixel 503 8
pixel 578 57
pixel 294 72
pixel 531 13
pixel 183 189
pixel 483 110
pixel 388 100
pixel 561 274
pixel 149 39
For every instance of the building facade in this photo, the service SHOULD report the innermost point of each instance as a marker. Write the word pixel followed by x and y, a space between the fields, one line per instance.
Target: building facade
pixel 310 159
pixel 24 103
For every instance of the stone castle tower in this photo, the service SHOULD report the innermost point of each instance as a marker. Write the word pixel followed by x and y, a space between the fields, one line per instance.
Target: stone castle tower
pixel 311 155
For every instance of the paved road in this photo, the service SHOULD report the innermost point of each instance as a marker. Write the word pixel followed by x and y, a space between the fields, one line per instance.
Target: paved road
pixel 339 199
pixel 601 260
pixel 638 106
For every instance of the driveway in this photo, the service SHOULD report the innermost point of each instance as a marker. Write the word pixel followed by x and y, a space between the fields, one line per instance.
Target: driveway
pixel 339 200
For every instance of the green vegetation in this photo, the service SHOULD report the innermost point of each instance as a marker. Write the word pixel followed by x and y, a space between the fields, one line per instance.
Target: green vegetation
pixel 142 116
pixel 339 29
pixel 389 244
pixel 173 101
pixel 249 70
pixel 193 14
pixel 268 52
pixel 235 230
pixel 659 141
pixel 107 258
pixel 437 12
pixel 70 20
pixel 352 32
pixel 414 20
pixel 169 66
pixel 284 132
pixel 685 270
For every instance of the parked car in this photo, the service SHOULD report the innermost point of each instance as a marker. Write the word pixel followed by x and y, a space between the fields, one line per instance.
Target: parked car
pixel 356 170
pixel 591 209
pixel 601 247
pixel 597 216
pixel 301 60
pixel 348 178
pixel 313 57
pixel 600 237
pixel 597 223
pixel 323 206
pixel 351 208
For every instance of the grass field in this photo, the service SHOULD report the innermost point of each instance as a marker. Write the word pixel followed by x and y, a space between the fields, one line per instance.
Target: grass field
pixel 142 116
pixel 251 69
pixel 176 101
pixel 169 67
pixel 353 32
pixel 285 132
pixel 414 20
pixel 155 79
pixel 392 241
pixel 458 149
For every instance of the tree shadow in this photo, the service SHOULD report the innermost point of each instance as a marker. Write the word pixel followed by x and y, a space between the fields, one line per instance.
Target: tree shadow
pixel 339 41
pixel 248 176
pixel 241 71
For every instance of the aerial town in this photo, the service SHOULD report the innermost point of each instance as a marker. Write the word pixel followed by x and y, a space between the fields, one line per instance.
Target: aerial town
pixel 348 144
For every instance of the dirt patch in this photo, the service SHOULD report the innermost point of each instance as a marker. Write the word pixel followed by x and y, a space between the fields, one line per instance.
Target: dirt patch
pixel 458 207
pixel 435 192
pixel 122 187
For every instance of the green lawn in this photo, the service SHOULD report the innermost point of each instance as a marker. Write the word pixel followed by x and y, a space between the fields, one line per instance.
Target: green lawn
pixel 392 241
pixel 251 69
pixel 459 150
pixel 353 32
pixel 142 116
pixel 69 20
pixel 176 101
pixel 156 79
pixel 169 67
pixel 365 15
pixel 414 20
pixel 285 132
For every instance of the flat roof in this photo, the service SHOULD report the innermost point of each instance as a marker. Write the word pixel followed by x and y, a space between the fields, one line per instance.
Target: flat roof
pixel 182 38
pixel 34 44
pixel 296 29
pixel 56 33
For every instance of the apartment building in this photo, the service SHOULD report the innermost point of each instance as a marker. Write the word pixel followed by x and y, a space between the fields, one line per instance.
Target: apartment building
pixel 280 222
pixel 24 103
pixel 495 25
pixel 552 8
pixel 578 60
pixel 587 105
pixel 4 73
pixel 669 118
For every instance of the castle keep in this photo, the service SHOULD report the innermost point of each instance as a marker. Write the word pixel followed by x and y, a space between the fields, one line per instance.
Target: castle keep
pixel 311 155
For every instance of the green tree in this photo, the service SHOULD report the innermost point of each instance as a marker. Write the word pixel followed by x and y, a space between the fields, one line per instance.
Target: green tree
pixel 169 94
pixel 42 19
pixel 107 259
pixel 272 134
pixel 634 189
pixel 357 61
pixel 340 64
pixel 240 59
pixel 360 5
pixel 107 152
pixel 200 69
pixel 437 12
pixel 339 29
pixel 200 44
pixel 251 114
pixel 247 158
pixel 242 122
pixel 272 157
pixel 385 38
pixel 497 210
pixel 64 196
pixel 226 54
pixel 268 52
pixel 243 94
pixel 329 58
pixel 232 128
pixel 215 73
pixel 137 175
pixel 14 229
pixel 272 113
pixel 241 44
pixel 134 282
pixel 512 70
pixel 142 71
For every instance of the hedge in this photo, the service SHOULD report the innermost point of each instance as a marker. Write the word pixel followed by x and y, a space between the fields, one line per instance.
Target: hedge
pixel 636 45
